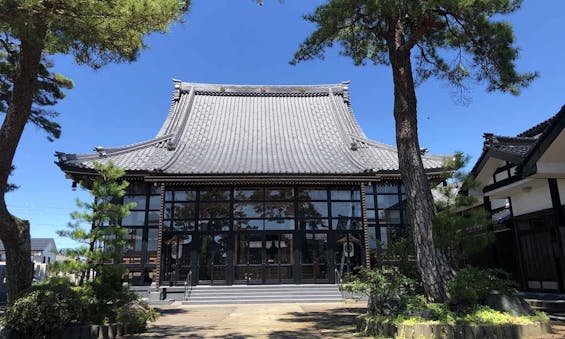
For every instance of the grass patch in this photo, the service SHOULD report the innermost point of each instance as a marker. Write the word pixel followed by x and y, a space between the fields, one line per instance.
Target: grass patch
pixel 439 314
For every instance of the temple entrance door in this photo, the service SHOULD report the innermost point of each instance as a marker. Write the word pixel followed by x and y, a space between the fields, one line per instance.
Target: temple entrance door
pixel 314 264
pixel 177 261
pixel 248 259
pixel 279 260
pixel 213 268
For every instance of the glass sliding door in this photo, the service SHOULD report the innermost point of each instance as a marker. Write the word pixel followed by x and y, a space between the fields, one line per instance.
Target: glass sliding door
pixel 314 264
pixel 279 260
pixel 176 258
pixel 248 259
pixel 213 259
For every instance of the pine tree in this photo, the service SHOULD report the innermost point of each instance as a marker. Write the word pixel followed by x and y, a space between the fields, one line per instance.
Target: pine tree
pixel 95 33
pixel 454 40
pixel 97 226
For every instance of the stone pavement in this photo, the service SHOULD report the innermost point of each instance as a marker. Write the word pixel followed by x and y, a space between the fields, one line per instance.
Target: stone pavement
pixel 308 321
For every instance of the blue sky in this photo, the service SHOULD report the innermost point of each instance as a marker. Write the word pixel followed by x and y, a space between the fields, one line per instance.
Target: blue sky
pixel 237 41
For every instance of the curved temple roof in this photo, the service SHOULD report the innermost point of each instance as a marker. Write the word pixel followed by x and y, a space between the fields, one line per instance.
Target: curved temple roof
pixel 242 129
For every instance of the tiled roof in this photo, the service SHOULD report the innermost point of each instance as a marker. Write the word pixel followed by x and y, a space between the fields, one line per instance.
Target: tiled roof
pixel 538 129
pixel 242 129
pixel 37 244
pixel 518 146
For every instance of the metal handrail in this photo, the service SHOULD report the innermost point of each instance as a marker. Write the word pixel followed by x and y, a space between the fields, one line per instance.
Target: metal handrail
pixel 188 285
pixel 338 279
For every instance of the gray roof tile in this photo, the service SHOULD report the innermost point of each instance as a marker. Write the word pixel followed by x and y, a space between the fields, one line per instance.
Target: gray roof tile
pixel 240 129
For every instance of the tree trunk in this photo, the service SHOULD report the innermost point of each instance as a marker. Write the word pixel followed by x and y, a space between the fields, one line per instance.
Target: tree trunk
pixel 14 232
pixel 432 262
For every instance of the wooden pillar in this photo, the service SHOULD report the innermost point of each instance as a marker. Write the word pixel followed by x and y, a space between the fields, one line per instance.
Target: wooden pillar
pixel 160 235
pixel 365 223
pixel 518 246
pixel 558 223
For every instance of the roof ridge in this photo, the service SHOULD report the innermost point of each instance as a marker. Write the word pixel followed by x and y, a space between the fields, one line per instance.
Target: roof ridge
pixel 233 89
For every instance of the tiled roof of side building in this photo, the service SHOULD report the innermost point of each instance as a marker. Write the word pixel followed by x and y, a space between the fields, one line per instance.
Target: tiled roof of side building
pixel 244 129
pixel 37 244
pixel 518 146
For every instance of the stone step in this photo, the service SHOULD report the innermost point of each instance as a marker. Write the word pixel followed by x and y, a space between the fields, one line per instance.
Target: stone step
pixel 259 301
pixel 264 292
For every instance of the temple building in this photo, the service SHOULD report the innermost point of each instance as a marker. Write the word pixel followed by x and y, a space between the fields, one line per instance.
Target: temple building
pixel 523 186
pixel 256 185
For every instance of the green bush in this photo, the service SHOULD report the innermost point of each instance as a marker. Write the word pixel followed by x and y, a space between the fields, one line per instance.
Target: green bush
pixel 471 286
pixel 45 310
pixel 102 296
pixel 135 315
pixel 386 288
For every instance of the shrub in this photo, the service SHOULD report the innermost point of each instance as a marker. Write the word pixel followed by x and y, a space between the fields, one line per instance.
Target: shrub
pixel 45 310
pixel 471 286
pixel 386 288
pixel 135 315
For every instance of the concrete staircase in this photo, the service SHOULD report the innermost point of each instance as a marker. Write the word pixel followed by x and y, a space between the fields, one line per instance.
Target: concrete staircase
pixel 552 304
pixel 259 294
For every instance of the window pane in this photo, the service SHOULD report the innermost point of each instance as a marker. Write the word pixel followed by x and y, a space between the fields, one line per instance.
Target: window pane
pixel 185 195
pixel 154 202
pixel 351 194
pixel 246 194
pixel 387 189
pixel 279 209
pixel 371 214
pixel 184 210
pixel 168 211
pixel 347 224
pixel 372 238
pixel 313 209
pixel 281 193
pixel 152 239
pixel 370 201
pixel 219 193
pixel 248 224
pixel 312 194
pixel 248 210
pixel 214 210
pixel 169 196
pixel 279 224
pixel 134 219
pixel 387 201
pixel 181 225
pixel 134 245
pixel 389 216
pixel 314 224
pixel 346 209
pixel 214 225
pixel 139 201
pixel 153 219
pixel 369 189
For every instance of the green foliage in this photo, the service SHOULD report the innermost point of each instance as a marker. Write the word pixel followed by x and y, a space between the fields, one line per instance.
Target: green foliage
pixel 104 243
pixel 48 92
pixel 47 309
pixel 460 228
pixel 399 252
pixel 104 239
pixel 135 315
pixel 471 286
pixel 454 40
pixel 386 288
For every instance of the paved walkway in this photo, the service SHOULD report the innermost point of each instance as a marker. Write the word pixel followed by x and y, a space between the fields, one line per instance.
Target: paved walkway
pixel 307 321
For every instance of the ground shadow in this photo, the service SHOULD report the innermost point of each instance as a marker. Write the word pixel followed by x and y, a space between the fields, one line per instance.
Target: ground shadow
pixel 335 322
